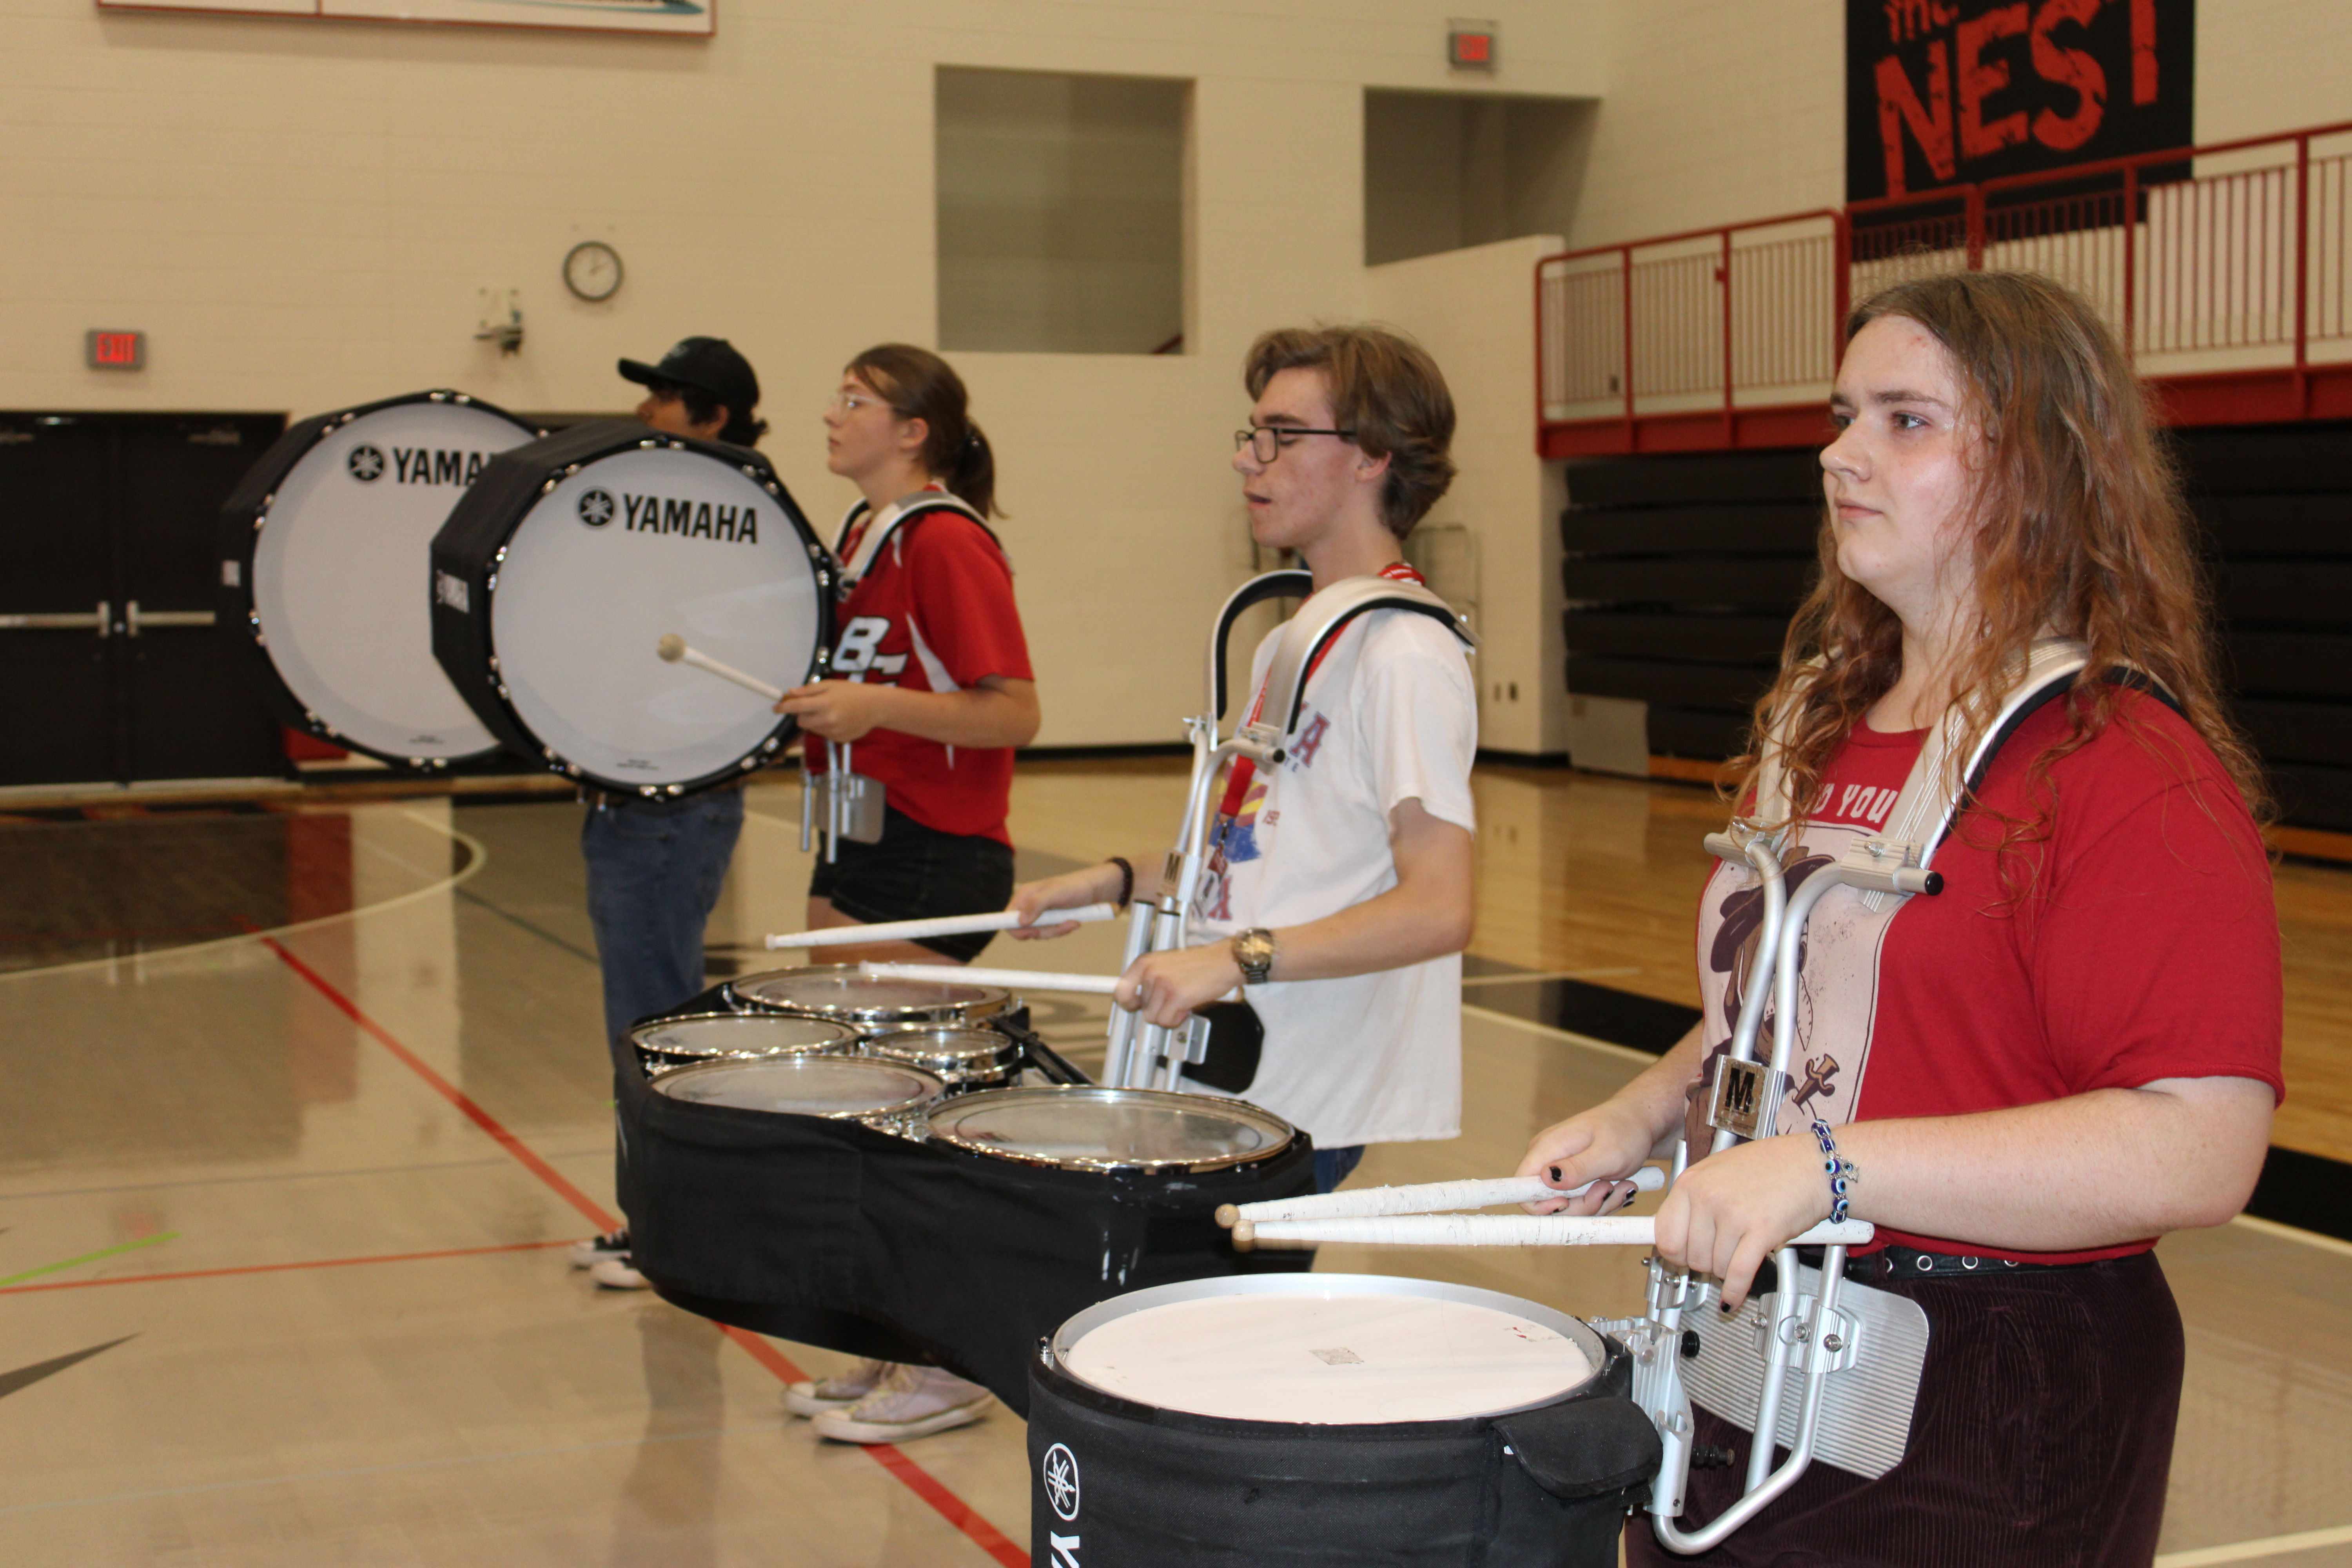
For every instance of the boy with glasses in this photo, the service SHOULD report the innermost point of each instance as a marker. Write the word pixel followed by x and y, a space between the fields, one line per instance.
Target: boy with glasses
pixel 1338 890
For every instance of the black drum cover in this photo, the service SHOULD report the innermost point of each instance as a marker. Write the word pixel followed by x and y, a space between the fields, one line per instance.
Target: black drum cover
pixel 1115 1481
pixel 323 577
pixel 568 561
pixel 834 1234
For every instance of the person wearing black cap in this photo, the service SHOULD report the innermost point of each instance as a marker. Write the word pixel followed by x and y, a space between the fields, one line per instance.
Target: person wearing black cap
pixel 703 388
pixel 655 865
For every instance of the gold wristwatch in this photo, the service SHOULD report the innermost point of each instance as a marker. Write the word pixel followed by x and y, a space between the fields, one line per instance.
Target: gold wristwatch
pixel 1253 951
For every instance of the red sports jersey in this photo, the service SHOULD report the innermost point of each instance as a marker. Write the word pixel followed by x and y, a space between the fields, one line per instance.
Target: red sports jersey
pixel 934 612
pixel 2138 940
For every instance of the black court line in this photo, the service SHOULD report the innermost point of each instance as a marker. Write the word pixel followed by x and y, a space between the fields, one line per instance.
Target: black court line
pixel 575 949
pixel 26 1376
pixel 2309 1191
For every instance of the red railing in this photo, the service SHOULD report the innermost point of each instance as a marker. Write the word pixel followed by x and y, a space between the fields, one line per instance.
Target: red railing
pixel 2228 269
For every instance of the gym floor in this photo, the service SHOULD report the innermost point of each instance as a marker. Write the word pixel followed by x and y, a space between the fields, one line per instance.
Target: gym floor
pixel 306 1100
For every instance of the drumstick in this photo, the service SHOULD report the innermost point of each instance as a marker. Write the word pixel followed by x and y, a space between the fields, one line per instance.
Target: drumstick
pixel 946 925
pixel 673 650
pixel 1025 979
pixel 1429 1197
pixel 1494 1230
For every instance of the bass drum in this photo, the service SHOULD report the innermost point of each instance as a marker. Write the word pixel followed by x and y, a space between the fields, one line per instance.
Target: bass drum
pixel 558 576
pixel 323 573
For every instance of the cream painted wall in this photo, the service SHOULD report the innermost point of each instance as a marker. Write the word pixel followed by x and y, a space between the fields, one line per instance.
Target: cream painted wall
pixel 301 214
pixel 1452 302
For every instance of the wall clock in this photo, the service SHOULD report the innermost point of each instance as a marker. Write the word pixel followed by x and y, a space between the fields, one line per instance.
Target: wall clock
pixel 591 270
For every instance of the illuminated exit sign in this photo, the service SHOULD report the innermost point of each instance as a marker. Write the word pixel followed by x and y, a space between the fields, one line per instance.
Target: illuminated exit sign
pixel 106 350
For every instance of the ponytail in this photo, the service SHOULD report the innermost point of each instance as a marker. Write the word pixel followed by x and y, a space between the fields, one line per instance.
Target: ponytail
pixel 920 385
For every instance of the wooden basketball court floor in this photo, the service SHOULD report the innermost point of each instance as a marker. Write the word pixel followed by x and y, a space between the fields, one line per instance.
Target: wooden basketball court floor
pixel 301 1106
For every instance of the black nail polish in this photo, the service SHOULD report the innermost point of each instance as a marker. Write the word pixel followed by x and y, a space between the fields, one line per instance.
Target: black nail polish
pixel 1554 1172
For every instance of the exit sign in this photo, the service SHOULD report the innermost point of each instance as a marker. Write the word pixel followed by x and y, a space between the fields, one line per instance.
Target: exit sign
pixel 108 350
pixel 1470 45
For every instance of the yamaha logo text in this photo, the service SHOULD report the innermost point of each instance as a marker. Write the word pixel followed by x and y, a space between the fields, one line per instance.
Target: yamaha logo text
pixel 667 514
pixel 416 466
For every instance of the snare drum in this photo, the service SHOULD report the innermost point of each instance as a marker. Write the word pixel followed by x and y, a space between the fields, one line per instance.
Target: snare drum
pixel 557 576
pixel 964 1059
pixel 870 1004
pixel 324 551
pixel 1249 1419
pixel 888 1096
pixel 1084 1128
pixel 665 1045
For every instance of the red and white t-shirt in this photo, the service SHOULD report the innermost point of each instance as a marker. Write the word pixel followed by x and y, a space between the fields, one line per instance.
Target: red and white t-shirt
pixel 2136 941
pixel 933 611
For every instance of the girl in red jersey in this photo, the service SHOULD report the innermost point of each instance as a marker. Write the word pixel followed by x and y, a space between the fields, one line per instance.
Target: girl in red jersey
pixel 931 687
pixel 2070 1051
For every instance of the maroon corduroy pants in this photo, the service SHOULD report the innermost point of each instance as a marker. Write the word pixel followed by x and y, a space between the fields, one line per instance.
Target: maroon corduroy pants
pixel 2042 1438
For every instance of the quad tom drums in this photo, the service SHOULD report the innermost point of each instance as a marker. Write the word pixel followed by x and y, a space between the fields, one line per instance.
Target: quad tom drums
pixel 1089 1129
pixel 556 578
pixel 323 572
pixel 666 1043
pixel 889 1097
pixel 869 1004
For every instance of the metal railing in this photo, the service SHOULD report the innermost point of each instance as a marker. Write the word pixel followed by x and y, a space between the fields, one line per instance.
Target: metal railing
pixel 2234 258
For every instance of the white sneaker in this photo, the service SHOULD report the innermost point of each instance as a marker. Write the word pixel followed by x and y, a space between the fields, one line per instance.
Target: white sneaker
pixel 910 1402
pixel 596 1249
pixel 815 1396
pixel 618 1274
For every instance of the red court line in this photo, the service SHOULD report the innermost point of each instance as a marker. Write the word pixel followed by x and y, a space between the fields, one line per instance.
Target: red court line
pixel 912 1476
pixel 279 1268
pixel 594 1211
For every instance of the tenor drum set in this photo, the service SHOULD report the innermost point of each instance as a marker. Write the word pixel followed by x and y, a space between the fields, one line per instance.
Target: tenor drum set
pixel 885 1159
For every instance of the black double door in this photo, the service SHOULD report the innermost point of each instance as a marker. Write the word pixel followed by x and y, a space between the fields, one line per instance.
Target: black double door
pixel 110 666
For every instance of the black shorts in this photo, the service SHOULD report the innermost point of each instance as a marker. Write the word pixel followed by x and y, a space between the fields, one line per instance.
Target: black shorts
pixel 919 873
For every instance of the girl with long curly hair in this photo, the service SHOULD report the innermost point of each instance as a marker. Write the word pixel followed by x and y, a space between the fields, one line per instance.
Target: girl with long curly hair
pixel 2070 1051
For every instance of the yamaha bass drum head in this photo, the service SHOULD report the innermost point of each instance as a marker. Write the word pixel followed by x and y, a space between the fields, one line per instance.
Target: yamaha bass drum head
pixel 556 578
pixel 324 571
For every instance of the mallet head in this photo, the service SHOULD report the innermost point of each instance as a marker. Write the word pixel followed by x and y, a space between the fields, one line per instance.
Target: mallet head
pixel 672 647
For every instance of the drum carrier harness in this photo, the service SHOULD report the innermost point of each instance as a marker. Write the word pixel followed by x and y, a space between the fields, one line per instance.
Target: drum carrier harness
pixel 1852 1353
pixel 842 803
pixel 1142 1056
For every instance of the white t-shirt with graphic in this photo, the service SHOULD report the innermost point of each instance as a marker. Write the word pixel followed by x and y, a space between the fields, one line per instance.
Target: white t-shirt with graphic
pixel 1390 715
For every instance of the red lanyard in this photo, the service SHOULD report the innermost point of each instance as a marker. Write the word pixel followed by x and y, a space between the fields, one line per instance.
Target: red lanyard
pixel 1238 782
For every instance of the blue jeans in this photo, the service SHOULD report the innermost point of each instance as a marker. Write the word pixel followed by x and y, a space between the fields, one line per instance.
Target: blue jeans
pixel 654 871
pixel 1332 1166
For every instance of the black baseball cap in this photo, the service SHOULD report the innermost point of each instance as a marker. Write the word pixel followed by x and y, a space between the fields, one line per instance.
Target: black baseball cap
pixel 711 364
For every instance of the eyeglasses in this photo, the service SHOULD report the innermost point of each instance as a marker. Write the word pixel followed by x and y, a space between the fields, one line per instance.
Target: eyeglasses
pixel 848 403
pixel 1266 442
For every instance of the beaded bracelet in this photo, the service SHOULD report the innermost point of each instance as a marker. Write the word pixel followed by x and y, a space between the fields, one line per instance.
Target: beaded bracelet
pixel 1126 881
pixel 1840 1171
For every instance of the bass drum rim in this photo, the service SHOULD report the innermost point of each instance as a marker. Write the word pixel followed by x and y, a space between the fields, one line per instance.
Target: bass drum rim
pixel 244 518
pixel 510 489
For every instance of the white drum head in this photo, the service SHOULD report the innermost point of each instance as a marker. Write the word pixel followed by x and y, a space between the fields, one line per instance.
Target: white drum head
pixel 1330 1358
pixel 634 547
pixel 340 576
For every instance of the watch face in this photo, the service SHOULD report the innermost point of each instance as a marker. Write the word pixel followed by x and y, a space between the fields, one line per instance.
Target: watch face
pixel 592 269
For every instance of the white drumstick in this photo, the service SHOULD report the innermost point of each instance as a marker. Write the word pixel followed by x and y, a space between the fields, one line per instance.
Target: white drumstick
pixel 1496 1230
pixel 673 650
pixel 1429 1197
pixel 1018 979
pixel 946 925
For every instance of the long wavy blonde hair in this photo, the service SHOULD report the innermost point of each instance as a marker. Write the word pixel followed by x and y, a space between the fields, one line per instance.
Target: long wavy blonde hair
pixel 2076 528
